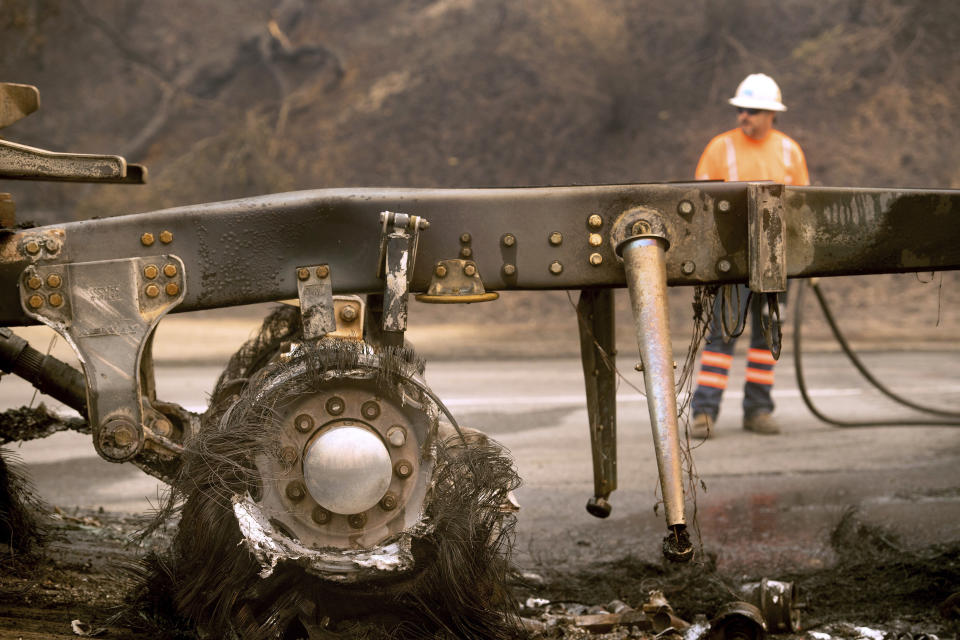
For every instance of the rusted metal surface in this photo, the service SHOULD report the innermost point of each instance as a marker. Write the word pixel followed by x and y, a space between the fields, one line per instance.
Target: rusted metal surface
pixel 595 311
pixel 766 233
pixel 777 601
pixel 20 162
pixel 644 264
pixel 738 621
pixel 456 281
pixel 17 101
pixel 316 301
pixel 242 251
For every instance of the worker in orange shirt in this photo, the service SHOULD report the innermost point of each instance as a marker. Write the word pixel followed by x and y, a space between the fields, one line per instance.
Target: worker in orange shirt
pixel 752 151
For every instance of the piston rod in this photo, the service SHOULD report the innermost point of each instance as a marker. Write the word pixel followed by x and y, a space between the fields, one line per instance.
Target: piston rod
pixel 645 265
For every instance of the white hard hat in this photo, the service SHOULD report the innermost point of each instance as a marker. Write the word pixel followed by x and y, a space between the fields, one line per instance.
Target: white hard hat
pixel 758 91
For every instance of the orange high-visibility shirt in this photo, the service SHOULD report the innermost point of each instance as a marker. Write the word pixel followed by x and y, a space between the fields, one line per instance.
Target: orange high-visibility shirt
pixel 734 155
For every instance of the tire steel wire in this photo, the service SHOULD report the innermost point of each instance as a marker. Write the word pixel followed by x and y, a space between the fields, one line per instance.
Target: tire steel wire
pixel 858 364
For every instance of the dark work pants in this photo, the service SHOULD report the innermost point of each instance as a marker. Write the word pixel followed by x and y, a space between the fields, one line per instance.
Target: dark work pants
pixel 717 358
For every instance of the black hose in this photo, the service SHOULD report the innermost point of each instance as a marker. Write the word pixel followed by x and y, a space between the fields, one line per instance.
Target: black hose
pixel 801 383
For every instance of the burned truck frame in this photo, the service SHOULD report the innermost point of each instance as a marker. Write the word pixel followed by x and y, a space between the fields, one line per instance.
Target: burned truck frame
pixel 343 478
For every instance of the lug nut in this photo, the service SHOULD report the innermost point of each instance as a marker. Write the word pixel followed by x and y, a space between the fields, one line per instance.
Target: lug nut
pixel 335 406
pixel 357 520
pixel 388 502
pixel 403 468
pixel 169 270
pixel 146 239
pixel 56 299
pixel 595 221
pixel 35 301
pixel 688 267
pixel 723 206
pixel 150 271
pixel 323 271
pixel 348 313
pixel 509 269
pixel 172 289
pixel 556 238
pixel 54 280
pixel 685 207
pixel 397 435
pixel 508 240
pixel 440 271
pixel 370 409
pixel 304 422
pixel 723 265
pixel 464 238
pixel 35 282
pixel 288 455
pixel 320 515
pixel 166 237
pixel 32 247
pixel 152 291
pixel 556 268
pixel 303 273
pixel 295 491
pixel 596 259
pixel 470 270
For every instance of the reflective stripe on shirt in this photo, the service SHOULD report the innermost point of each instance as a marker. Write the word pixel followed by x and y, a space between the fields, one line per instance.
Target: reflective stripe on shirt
pixel 732 174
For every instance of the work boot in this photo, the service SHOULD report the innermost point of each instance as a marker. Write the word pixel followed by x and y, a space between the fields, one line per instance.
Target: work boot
pixel 701 427
pixel 763 423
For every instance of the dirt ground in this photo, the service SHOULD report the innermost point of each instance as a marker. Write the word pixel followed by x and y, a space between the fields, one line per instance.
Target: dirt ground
pixel 876 582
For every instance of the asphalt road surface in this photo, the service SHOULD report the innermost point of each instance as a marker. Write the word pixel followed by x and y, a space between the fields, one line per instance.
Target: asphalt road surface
pixel 759 501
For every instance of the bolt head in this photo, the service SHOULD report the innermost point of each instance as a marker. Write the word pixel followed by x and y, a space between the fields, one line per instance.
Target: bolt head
pixel 303 273
pixel 152 291
pixel 641 227
pixel 685 207
pixel 53 245
pixel 56 299
pixel 323 271
pixel 35 301
pixel 304 422
pixel 162 426
pixel 596 259
pixel 723 206
pixel 150 271
pixel 688 267
pixel 288 455
pixel 35 282
pixel 172 289
pixel 295 491
pixel 466 252
pixel 169 270
pixel 348 313
pixel 166 237
pixel 370 409
pixel 146 239
pixel 556 268
pixel 509 240
pixel 54 280
pixel 595 221
pixel 509 269
pixel 397 435
pixel 32 247
pixel 464 238
pixel 440 271
pixel 388 502
pixel 723 265
pixel 123 435
pixel 357 520
pixel 556 238
pixel 470 270
pixel 320 515
pixel 335 406
pixel 595 240
pixel 403 468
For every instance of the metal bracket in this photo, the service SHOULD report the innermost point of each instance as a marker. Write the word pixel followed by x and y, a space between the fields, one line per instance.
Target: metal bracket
pixel 398 252
pixel 20 162
pixel 107 311
pixel 17 101
pixel 315 290
pixel 456 281
pixel 766 236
